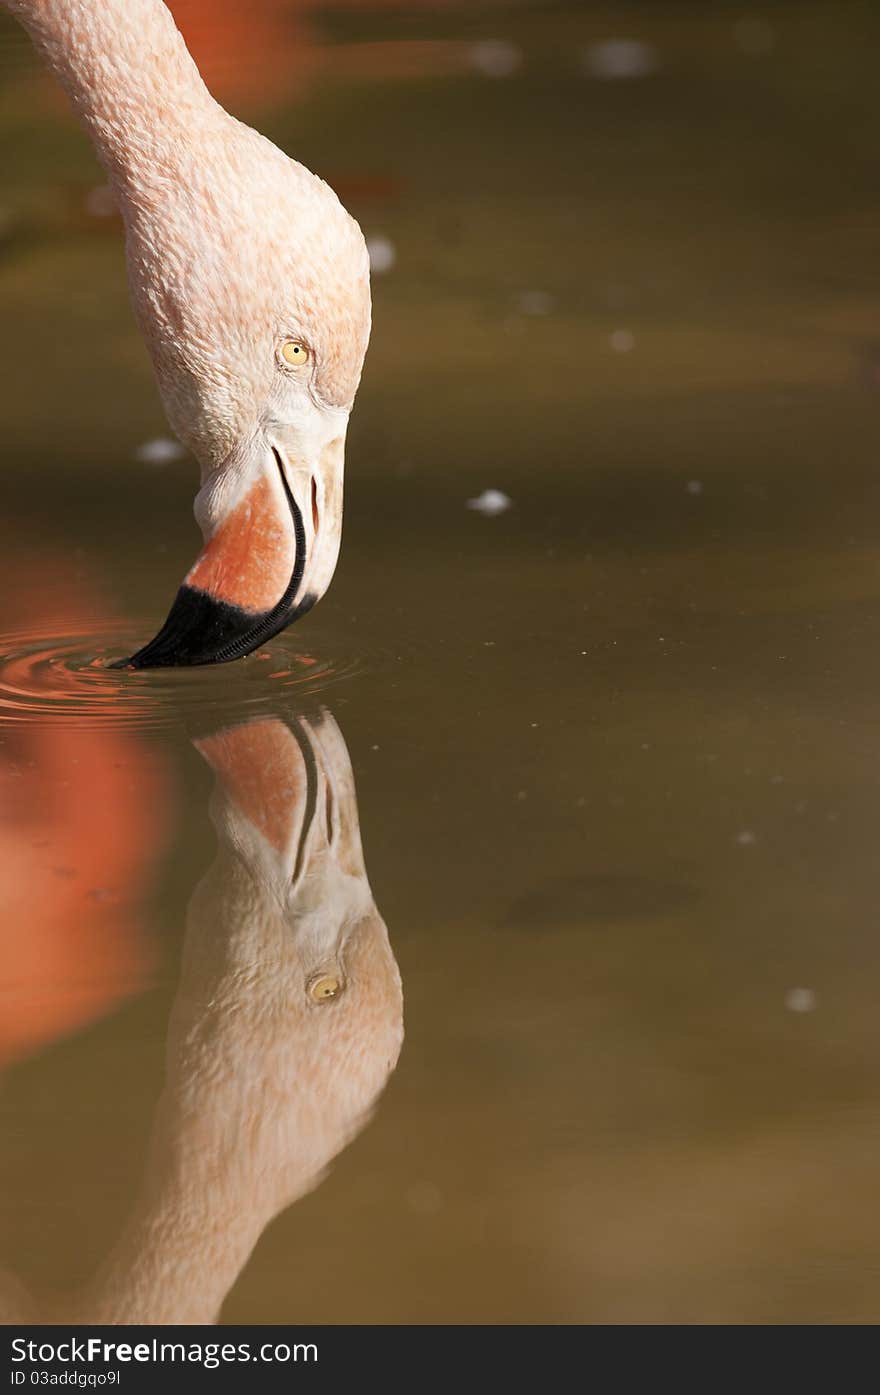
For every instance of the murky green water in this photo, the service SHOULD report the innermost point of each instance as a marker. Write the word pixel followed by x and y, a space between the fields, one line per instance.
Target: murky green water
pixel 615 749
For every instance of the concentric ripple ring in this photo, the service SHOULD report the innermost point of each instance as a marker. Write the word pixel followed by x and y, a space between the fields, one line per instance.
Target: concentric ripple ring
pixel 66 680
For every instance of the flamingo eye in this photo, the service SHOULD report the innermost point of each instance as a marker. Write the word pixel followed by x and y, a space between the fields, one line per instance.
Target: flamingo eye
pixel 295 353
pixel 325 988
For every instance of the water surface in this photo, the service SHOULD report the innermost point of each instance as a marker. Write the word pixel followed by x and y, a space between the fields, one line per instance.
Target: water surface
pixel 611 753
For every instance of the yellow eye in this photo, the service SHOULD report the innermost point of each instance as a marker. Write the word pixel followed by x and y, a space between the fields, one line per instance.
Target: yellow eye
pixel 295 353
pixel 322 989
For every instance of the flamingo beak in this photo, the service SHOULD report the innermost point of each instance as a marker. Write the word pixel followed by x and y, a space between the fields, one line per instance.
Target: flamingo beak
pixel 266 563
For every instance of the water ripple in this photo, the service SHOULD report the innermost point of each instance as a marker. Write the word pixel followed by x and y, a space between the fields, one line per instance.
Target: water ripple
pixel 49 679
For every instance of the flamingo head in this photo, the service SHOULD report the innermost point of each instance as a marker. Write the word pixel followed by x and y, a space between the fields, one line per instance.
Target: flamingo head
pixel 251 286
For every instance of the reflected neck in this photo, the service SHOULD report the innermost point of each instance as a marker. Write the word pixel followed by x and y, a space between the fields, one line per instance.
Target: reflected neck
pixel 130 77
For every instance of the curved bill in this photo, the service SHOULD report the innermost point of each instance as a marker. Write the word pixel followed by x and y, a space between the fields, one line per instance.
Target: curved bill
pixel 265 566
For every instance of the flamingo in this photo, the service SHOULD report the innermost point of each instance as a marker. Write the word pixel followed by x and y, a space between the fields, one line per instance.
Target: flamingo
pixel 250 284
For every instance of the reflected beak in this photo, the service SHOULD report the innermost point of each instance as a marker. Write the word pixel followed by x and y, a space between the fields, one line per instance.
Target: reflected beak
pixel 264 565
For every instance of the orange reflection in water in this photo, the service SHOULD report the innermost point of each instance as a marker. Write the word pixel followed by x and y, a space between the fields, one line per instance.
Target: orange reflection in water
pixel 255 52
pixel 83 815
pixel 261 51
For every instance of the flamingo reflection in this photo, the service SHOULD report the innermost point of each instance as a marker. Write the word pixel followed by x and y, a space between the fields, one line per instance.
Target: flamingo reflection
pixel 286 1025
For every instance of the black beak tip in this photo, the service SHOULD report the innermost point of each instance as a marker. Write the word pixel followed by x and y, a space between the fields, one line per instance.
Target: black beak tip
pixel 200 630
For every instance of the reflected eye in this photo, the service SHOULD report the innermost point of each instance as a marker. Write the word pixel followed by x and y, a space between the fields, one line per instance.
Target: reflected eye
pixel 295 353
pixel 325 988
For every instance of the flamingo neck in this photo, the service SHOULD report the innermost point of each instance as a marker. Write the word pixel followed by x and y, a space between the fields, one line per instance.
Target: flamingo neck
pixel 130 77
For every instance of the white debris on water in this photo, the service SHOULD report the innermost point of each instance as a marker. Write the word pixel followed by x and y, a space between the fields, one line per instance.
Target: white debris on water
pixel 535 303
pixel 383 254
pixel 694 486
pixel 621 58
pixel 495 58
pixel 622 341
pixel 746 839
pixel 490 502
pixel 161 451
pixel 800 1000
